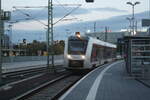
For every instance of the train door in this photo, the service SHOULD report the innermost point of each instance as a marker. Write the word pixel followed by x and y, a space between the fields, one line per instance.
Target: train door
pixel 96 55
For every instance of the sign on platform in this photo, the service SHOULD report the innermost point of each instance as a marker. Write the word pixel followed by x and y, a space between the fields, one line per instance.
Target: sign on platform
pixel 145 22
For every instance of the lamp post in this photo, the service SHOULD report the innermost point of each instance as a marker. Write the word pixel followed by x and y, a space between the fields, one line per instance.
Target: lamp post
pixel 129 19
pixel 133 18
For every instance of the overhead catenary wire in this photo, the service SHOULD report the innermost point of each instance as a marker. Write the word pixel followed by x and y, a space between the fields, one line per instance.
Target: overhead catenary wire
pixel 66 15
pixel 67 9
pixel 28 15
pixel 29 7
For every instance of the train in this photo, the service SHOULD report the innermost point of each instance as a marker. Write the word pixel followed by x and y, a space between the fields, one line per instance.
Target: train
pixel 83 52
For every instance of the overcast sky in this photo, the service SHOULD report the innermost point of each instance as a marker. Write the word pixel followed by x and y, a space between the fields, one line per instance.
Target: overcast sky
pixel 88 12
pixel 119 4
pixel 103 8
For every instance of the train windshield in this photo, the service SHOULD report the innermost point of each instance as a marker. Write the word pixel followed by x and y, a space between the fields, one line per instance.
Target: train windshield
pixel 77 47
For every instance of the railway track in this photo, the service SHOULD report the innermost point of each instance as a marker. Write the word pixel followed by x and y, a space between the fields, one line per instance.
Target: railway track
pixel 21 89
pixel 64 89
pixel 17 76
pixel 23 72
pixel 43 87
pixel 52 89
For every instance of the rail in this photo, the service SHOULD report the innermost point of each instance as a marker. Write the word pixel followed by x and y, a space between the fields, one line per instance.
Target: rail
pixel 39 88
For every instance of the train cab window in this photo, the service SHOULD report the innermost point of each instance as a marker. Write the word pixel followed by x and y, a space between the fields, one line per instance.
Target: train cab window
pixel 77 47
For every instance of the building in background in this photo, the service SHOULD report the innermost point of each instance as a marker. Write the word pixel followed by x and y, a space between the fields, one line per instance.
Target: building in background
pixel 115 38
pixel 112 37
pixel 5 41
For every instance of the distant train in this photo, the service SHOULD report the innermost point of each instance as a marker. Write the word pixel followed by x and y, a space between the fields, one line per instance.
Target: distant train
pixel 82 52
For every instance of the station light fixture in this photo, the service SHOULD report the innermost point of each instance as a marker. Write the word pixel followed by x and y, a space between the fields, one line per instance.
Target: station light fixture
pixel 133 4
pixel 133 17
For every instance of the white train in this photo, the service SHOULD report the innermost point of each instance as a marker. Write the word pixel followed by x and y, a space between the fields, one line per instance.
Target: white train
pixel 82 52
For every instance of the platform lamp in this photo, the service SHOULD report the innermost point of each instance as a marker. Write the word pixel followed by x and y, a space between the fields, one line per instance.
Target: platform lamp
pixel 129 19
pixel 133 18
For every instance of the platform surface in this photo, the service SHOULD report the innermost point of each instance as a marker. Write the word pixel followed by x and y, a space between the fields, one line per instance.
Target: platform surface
pixel 110 82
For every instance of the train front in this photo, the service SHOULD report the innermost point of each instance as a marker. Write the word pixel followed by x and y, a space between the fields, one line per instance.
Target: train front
pixel 75 52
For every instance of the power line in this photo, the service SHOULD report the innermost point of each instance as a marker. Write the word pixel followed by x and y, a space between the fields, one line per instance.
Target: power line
pixel 26 14
pixel 29 7
pixel 67 15
pixel 65 8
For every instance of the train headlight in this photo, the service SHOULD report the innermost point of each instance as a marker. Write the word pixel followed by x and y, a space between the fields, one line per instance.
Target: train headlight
pixel 82 56
pixel 69 56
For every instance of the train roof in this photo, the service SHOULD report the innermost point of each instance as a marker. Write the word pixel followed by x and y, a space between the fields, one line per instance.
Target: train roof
pixel 93 40
pixel 75 38
pixel 100 42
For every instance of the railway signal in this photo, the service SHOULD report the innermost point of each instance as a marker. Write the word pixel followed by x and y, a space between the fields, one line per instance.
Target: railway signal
pixel 89 1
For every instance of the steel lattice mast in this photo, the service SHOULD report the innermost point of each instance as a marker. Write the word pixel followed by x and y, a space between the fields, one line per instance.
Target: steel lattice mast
pixel 50 36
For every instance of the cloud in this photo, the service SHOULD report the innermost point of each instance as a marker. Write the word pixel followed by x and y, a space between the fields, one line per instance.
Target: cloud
pixel 109 9
pixel 42 14
pixel 115 23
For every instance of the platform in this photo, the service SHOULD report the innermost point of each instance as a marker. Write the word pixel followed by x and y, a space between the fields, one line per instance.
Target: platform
pixel 110 82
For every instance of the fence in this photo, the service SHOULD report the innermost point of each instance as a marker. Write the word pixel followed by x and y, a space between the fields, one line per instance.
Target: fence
pixel 28 58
